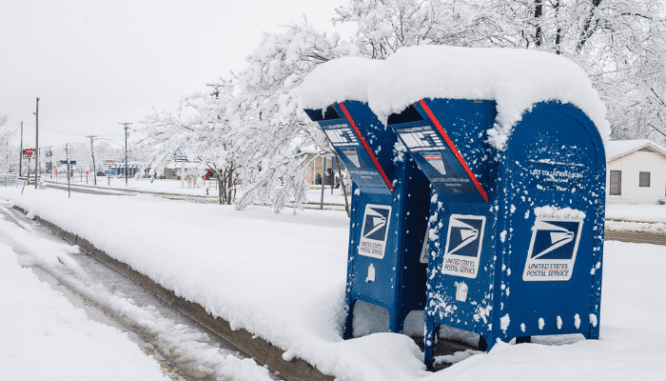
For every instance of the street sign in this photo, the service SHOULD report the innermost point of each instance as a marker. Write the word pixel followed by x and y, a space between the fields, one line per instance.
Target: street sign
pixel 27 153
pixel 179 156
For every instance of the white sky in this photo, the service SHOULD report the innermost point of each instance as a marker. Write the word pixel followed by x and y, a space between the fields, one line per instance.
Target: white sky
pixel 95 64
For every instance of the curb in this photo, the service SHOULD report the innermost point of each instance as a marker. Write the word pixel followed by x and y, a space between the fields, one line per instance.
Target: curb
pixel 654 238
pixel 253 346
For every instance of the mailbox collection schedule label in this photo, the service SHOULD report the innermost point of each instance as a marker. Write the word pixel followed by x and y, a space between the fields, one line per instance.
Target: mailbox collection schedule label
pixel 556 176
pixel 431 151
pixel 343 138
pixel 341 135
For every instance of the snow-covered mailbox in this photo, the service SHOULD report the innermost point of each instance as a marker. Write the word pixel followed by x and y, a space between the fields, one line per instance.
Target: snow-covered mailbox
pixel 511 141
pixel 390 196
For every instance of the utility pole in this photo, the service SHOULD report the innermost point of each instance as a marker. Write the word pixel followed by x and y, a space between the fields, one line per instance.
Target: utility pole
pixel 126 127
pixel 21 153
pixel 323 181
pixel 92 151
pixel 69 193
pixel 37 143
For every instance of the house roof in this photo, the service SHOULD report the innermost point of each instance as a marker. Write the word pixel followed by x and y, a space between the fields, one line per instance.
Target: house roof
pixel 619 148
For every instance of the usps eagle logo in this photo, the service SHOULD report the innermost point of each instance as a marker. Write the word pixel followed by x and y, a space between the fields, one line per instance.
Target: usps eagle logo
pixel 464 241
pixel 374 233
pixel 553 248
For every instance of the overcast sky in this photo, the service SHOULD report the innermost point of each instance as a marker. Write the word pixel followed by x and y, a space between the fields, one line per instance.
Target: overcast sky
pixel 97 63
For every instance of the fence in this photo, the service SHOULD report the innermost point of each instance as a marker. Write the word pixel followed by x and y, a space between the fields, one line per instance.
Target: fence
pixel 8 180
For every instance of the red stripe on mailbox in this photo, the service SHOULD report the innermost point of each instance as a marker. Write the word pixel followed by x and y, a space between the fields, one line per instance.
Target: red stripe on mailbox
pixel 453 148
pixel 366 146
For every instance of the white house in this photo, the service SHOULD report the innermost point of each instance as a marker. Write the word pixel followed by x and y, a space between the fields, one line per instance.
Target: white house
pixel 636 172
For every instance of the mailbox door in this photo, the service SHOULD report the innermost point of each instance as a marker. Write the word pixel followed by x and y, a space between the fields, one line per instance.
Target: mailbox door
pixel 373 257
pixel 550 254
pixel 461 272
pixel 375 139
pixel 447 139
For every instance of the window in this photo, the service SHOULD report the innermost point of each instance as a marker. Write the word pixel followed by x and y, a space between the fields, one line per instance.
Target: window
pixel 644 179
pixel 615 183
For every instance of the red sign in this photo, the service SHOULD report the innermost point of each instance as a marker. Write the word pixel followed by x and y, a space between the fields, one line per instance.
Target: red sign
pixel 87 173
pixel 28 151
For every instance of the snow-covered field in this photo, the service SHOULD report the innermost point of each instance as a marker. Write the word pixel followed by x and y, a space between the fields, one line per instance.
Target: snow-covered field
pixel 281 276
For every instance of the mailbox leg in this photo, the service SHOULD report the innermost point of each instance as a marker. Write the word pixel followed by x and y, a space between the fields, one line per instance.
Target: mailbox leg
pixel 429 342
pixel 396 321
pixel 349 321
pixel 483 344
pixel 490 341
pixel 523 339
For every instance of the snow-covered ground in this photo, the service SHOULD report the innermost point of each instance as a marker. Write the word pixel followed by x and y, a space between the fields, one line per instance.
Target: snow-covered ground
pixel 281 276
pixel 636 212
pixel 45 337
pixel 636 217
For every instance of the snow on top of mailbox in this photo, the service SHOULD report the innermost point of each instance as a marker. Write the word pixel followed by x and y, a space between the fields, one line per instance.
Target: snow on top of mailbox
pixel 515 79
pixel 342 79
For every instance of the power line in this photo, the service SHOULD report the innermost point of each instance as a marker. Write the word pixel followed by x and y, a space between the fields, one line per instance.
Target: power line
pixel 112 141
pixel 66 132
pixel 62 132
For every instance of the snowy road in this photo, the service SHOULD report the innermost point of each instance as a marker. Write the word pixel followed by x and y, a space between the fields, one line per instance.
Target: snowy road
pixel 184 349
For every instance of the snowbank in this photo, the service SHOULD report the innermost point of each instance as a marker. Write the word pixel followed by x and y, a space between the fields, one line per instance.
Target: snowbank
pixel 342 79
pixel 656 227
pixel 636 212
pixel 44 337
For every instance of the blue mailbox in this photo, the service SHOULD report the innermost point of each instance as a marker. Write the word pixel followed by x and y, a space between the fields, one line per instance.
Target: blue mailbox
pixel 389 212
pixel 516 236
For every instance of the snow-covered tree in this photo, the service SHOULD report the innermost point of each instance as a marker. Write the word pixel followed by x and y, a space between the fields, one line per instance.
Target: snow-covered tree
pixel 268 103
pixel 203 130
pixel 621 44
pixel 384 26
pixel 6 134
